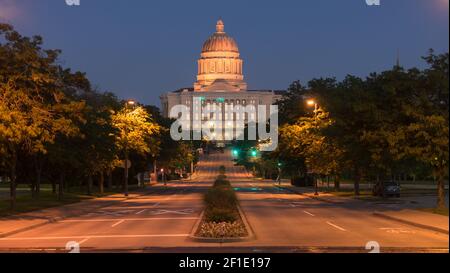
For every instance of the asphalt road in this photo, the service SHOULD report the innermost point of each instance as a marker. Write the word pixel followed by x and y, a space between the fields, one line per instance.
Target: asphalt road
pixel 161 220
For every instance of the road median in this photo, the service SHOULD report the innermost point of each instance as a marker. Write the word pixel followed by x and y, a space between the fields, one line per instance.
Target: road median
pixel 222 221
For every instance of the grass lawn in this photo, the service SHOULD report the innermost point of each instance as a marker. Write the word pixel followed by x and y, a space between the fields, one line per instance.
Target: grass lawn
pixel 350 193
pixel 443 212
pixel 25 203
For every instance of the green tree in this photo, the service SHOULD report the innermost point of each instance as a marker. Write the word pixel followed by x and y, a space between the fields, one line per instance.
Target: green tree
pixel 135 131
pixel 33 108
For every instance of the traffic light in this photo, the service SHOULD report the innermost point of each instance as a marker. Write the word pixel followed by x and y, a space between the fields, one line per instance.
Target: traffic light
pixel 235 152
pixel 254 153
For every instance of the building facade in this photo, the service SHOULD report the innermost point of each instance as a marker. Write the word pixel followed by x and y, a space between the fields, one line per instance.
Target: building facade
pixel 220 82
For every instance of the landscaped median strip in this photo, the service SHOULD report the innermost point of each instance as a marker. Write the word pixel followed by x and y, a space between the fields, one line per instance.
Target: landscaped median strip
pixel 222 220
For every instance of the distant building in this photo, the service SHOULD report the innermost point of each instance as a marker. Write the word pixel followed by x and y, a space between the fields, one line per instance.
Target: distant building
pixel 220 80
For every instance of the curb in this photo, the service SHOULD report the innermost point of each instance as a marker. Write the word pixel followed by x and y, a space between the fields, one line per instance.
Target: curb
pixel 46 222
pixel 432 228
pixel 7 234
pixel 312 197
pixel 251 234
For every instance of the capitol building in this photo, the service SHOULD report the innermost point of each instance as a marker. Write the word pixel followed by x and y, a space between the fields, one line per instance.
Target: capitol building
pixel 220 82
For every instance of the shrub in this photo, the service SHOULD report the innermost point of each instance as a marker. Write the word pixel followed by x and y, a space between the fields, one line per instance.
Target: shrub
pixel 222 177
pixel 221 197
pixel 220 182
pixel 223 230
pixel 222 217
pixel 219 215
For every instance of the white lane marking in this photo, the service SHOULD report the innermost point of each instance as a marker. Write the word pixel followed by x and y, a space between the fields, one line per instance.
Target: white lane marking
pixel 336 226
pixel 140 212
pixel 182 212
pixel 83 241
pixel 129 219
pixel 94 237
pixel 118 223
pixel 309 213
pixel 398 230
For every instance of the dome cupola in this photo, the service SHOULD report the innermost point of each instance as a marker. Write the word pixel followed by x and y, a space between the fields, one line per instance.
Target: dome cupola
pixel 220 62
pixel 220 41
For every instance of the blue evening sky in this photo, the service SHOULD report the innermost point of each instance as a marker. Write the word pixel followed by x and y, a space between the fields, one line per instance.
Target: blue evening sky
pixel 140 48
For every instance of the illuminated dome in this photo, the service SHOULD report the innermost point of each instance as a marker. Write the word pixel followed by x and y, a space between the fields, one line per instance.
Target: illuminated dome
pixel 220 65
pixel 220 41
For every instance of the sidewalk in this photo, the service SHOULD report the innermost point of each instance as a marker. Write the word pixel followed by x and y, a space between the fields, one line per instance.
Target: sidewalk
pixel 419 219
pixel 425 220
pixel 26 221
pixel 309 192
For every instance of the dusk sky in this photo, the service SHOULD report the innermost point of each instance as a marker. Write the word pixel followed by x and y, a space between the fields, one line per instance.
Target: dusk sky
pixel 140 49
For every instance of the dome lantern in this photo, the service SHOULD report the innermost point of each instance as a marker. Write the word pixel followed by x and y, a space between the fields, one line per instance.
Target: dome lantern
pixel 220 27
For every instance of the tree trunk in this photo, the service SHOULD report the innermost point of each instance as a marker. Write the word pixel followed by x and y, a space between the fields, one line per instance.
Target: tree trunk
pixel 89 185
pixel 53 186
pixel 337 183
pixel 155 171
pixel 125 184
pixel 36 186
pixel 102 182
pixel 61 186
pixel 110 182
pixel 118 184
pixel 357 182
pixel 441 204
pixel 13 180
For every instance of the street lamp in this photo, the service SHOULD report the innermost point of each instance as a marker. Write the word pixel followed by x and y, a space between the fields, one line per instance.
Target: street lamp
pixel 311 103
pixel 163 177
pixel 280 165
pixel 128 103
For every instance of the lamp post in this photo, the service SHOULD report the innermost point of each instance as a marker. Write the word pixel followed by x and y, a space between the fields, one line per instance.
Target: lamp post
pixel 313 103
pixel 280 165
pixel 163 177
pixel 129 103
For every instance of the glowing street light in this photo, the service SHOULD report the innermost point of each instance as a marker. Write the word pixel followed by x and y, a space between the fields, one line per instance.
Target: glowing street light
pixel 311 102
pixel 130 103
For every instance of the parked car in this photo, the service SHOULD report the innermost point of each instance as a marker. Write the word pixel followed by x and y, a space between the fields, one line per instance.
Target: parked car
pixel 386 189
